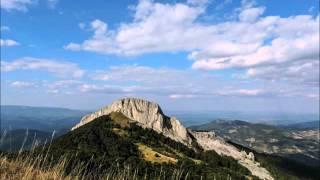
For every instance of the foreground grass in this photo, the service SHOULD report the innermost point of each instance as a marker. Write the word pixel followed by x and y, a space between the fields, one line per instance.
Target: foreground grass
pixel 25 167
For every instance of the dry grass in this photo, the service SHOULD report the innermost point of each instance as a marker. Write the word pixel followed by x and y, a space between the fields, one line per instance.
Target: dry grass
pixel 120 132
pixel 24 166
pixel 27 168
pixel 153 156
pixel 120 119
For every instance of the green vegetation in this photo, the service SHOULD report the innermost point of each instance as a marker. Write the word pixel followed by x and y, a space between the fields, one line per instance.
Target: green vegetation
pixel 102 149
pixel 114 147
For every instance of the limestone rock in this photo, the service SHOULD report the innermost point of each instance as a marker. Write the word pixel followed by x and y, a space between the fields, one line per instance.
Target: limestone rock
pixel 146 114
pixel 209 142
pixel 251 156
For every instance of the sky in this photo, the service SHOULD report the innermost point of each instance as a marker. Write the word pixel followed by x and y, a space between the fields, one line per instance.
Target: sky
pixel 187 55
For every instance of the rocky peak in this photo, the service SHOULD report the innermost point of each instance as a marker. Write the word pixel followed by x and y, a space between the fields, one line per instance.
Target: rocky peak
pixel 147 114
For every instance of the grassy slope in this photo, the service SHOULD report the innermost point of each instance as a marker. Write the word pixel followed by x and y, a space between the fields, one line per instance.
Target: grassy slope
pixel 114 142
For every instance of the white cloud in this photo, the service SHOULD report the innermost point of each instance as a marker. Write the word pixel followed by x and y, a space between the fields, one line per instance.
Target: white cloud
pixel 8 42
pixel 114 89
pixel 144 74
pixel 172 83
pixel 197 2
pixel 59 68
pixel 73 47
pixel 62 84
pixel 304 72
pixel 246 92
pixel 251 14
pixel 19 5
pixel 21 84
pixel 253 42
pixel 156 27
pixel 52 3
pixel 182 96
pixel 4 28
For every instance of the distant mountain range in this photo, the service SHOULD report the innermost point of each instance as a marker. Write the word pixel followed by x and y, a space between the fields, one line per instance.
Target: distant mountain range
pixel 272 118
pixel 39 118
pixel 303 125
pixel 296 141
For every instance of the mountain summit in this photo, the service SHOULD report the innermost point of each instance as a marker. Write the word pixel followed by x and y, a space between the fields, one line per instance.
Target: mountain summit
pixel 149 115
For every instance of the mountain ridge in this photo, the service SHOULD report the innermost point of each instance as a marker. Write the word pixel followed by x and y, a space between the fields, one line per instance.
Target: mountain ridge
pixel 149 115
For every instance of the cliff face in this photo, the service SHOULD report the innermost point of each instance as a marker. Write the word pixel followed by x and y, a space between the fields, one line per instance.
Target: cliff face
pixel 149 115
pixel 146 114
pixel 209 141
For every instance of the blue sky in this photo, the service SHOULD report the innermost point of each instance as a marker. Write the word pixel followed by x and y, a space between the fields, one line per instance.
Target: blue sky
pixel 187 55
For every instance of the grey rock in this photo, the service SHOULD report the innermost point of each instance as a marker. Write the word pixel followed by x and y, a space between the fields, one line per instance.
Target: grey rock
pixel 147 114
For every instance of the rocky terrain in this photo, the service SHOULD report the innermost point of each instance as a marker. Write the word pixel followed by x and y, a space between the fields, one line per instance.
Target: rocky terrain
pixel 149 115
pixel 295 143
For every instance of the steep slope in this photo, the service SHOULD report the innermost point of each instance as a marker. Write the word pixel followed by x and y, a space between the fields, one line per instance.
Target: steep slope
pixel 301 145
pixel 149 115
pixel 112 142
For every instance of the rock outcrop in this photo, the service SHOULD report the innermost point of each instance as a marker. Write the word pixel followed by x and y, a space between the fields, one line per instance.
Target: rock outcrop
pixel 149 115
pixel 209 141
pixel 146 114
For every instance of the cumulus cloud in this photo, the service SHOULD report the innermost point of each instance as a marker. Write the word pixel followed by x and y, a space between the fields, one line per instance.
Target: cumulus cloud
pixel 251 14
pixel 62 84
pixel 145 74
pixel 21 84
pixel 182 96
pixel 253 41
pixel 156 27
pixel 173 83
pixel 19 5
pixel 304 72
pixel 59 68
pixel 8 43
pixel 247 92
